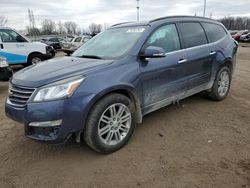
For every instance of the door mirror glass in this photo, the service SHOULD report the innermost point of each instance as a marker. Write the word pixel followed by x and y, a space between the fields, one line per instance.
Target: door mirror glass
pixel 153 52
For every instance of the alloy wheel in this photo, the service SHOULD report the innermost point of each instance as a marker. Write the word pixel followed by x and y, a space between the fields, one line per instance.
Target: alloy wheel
pixel 223 84
pixel 114 124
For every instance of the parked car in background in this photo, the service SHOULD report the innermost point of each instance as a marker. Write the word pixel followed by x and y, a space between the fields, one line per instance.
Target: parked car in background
pixel 74 44
pixel 5 70
pixel 238 34
pixel 245 38
pixel 100 92
pixel 67 38
pixel 17 49
pixel 233 32
pixel 54 42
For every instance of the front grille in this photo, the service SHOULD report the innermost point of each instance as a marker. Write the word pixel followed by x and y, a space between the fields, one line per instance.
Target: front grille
pixel 19 96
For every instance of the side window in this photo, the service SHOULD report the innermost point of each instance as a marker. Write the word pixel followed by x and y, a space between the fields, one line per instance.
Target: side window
pixel 193 34
pixel 85 39
pixel 53 40
pixel 10 36
pixel 214 32
pixel 165 37
pixel 78 39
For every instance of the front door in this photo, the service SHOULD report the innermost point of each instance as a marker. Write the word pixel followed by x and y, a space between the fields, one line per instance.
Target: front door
pixel 13 46
pixel 162 78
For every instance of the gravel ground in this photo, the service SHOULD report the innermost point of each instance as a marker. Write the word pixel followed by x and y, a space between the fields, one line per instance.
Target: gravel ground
pixel 198 143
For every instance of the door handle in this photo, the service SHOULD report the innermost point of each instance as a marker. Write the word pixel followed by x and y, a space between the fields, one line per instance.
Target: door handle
pixel 1 46
pixel 212 53
pixel 182 61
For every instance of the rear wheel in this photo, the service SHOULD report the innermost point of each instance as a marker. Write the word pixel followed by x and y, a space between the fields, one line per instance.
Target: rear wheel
pixel 221 84
pixel 110 123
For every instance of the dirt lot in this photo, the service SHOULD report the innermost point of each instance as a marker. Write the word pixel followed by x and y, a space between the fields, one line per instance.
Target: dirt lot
pixel 198 143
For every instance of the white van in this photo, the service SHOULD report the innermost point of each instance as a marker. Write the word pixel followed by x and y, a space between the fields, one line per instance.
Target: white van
pixel 18 49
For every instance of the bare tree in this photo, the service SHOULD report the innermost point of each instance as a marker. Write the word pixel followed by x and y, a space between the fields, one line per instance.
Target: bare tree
pixel 70 27
pixel 95 28
pixel 48 27
pixel 238 23
pixel 32 31
pixel 61 29
pixel 3 21
pixel 106 26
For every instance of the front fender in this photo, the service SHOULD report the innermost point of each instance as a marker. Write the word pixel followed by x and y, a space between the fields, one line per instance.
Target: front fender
pixel 122 89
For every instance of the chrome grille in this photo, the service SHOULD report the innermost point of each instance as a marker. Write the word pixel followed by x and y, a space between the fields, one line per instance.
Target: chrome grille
pixel 19 96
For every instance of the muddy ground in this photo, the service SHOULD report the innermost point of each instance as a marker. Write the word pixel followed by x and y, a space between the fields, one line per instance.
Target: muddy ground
pixel 198 143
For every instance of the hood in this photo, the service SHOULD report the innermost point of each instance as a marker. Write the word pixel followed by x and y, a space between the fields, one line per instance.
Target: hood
pixel 57 69
pixel 40 43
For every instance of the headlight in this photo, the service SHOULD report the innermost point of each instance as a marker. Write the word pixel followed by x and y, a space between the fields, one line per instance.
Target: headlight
pixel 3 63
pixel 58 90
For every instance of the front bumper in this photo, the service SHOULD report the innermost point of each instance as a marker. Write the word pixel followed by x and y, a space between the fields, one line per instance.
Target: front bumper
pixel 72 112
pixel 50 53
pixel 68 51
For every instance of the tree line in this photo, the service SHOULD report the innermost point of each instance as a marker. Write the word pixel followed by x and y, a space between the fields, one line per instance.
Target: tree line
pixel 236 23
pixel 49 27
pixel 71 28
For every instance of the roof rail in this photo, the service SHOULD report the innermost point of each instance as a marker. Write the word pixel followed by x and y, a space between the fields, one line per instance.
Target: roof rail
pixel 120 24
pixel 167 17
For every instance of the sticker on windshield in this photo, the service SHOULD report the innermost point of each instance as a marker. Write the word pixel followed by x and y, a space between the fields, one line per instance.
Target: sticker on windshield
pixel 135 30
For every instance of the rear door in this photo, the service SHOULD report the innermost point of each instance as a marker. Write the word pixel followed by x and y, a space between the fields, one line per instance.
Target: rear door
pixel 77 42
pixel 55 43
pixel 162 78
pixel 199 55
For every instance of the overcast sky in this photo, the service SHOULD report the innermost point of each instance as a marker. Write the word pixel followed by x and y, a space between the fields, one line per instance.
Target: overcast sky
pixel 83 12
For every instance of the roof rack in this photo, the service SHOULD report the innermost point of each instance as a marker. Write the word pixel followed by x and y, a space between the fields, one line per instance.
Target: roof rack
pixel 167 17
pixel 120 24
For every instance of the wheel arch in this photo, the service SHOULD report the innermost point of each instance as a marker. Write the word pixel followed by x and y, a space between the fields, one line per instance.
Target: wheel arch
pixel 32 53
pixel 124 90
pixel 227 62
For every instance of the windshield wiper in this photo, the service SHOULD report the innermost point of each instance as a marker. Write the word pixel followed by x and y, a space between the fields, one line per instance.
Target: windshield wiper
pixel 90 56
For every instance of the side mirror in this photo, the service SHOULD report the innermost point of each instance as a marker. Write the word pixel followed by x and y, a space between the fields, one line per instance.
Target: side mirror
pixel 153 52
pixel 20 39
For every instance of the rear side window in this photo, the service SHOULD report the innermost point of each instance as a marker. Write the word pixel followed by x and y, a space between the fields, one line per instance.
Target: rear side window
pixel 78 39
pixel 165 37
pixel 214 32
pixel 193 34
pixel 54 40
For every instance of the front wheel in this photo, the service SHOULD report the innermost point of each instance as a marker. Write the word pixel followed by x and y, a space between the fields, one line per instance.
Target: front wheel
pixel 34 59
pixel 221 84
pixel 110 123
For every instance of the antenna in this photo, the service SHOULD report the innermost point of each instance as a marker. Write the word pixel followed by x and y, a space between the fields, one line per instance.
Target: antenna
pixel 138 10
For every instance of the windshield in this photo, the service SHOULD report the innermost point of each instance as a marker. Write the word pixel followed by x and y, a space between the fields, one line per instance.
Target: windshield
pixel 110 44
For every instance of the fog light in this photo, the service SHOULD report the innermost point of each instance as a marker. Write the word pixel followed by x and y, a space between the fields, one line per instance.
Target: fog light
pixel 46 123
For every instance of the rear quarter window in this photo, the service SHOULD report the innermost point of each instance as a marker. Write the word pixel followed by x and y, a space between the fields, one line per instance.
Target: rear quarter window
pixel 78 39
pixel 193 34
pixel 214 32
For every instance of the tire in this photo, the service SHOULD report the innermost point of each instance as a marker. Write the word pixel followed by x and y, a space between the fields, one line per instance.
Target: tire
pixel 5 74
pixel 217 92
pixel 103 136
pixel 32 58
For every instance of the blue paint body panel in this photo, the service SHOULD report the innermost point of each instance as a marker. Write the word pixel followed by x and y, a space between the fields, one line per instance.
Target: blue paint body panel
pixel 151 83
pixel 14 58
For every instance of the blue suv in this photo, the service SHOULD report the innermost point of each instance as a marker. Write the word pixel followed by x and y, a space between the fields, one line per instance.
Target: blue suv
pixel 106 87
